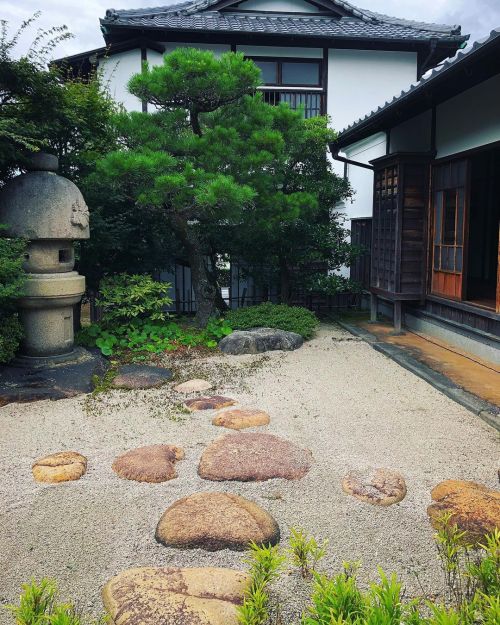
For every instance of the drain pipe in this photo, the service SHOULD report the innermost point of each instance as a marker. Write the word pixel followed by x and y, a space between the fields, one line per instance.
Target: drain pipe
pixel 348 161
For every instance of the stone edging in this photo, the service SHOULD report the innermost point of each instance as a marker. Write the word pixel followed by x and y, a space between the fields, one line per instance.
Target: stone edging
pixel 482 408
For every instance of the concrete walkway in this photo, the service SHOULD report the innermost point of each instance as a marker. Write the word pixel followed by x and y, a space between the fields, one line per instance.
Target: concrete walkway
pixel 350 405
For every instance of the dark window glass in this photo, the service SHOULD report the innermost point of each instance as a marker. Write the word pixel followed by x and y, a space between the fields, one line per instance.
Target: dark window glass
pixel 449 217
pixel 300 74
pixel 269 71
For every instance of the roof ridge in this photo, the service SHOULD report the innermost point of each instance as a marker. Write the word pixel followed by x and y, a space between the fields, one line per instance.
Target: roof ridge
pixel 188 7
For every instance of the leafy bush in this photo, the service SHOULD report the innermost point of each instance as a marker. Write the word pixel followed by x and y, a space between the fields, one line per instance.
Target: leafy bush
pixel 125 297
pixel 280 316
pixel 339 599
pixel 143 337
pixel 12 278
pixel 38 605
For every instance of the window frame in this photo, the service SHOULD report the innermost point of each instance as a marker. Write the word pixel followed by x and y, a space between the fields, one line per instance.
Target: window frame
pixel 279 71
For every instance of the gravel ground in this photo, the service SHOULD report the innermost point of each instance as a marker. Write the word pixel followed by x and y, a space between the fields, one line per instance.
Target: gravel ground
pixel 350 405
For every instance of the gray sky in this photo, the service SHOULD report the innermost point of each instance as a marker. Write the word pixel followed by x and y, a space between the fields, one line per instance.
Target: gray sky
pixel 477 17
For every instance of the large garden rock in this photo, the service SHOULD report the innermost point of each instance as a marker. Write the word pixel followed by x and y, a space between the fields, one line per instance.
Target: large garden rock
pixel 381 487
pixel 239 419
pixel 208 403
pixel 174 596
pixel 63 466
pixel 153 463
pixel 474 508
pixel 253 457
pixel 140 376
pixel 215 521
pixel 258 340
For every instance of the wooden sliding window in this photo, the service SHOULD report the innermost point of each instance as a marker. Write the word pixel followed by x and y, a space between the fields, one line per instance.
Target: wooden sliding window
pixel 450 188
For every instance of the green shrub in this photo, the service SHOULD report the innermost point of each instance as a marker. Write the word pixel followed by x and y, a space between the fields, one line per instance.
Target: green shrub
pixel 38 605
pixel 143 337
pixel 281 316
pixel 11 333
pixel 125 297
pixel 12 278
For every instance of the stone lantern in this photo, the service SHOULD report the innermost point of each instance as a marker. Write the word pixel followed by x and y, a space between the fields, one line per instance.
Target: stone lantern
pixel 50 212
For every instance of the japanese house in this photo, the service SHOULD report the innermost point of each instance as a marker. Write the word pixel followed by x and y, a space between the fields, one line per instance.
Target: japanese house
pixel 435 248
pixel 326 56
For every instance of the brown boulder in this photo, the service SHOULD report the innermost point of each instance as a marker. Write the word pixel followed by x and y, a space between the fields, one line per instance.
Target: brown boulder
pixel 154 463
pixel 253 457
pixel 63 466
pixel 240 419
pixel 215 521
pixel 173 596
pixel 381 487
pixel 474 508
pixel 208 403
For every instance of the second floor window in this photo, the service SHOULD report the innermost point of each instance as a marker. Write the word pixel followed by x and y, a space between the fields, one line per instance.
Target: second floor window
pixel 296 82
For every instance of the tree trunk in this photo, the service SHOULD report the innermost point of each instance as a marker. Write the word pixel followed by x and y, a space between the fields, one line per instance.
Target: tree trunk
pixel 204 290
pixel 285 292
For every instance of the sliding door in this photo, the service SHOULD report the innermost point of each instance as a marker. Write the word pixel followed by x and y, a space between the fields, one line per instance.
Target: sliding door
pixel 450 190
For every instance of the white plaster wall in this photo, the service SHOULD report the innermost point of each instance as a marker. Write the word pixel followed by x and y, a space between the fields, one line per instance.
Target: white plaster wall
pixel 414 135
pixel 282 6
pixel 117 71
pixel 361 80
pixel 361 204
pixel 469 120
pixel 300 53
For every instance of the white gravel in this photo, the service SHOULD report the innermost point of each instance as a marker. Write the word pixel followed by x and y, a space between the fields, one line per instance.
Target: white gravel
pixel 350 405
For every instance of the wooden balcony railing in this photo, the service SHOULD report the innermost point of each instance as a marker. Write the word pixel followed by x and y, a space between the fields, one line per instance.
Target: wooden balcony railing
pixel 313 103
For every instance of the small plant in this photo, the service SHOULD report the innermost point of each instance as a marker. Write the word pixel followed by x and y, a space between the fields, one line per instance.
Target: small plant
pixel 38 605
pixel 305 551
pixel 142 338
pixel 125 297
pixel 265 563
pixel 290 318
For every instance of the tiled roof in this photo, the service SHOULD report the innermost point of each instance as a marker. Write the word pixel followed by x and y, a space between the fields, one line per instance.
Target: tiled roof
pixel 360 23
pixel 414 90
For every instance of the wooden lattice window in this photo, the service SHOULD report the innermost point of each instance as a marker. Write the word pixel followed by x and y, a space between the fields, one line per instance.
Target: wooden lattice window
pixel 384 227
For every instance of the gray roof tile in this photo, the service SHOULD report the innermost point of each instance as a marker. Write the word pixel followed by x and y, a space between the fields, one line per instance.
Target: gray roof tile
pixel 196 15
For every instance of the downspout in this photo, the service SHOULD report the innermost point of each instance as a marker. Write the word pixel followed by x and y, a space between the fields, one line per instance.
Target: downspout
pixel 348 161
pixel 423 67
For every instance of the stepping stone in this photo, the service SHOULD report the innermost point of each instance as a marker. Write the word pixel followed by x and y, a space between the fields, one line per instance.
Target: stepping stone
pixel 237 419
pixel 63 466
pixel 214 521
pixel 174 596
pixel 258 340
pixel 208 403
pixel 134 377
pixel 474 508
pixel 154 463
pixel 381 487
pixel 193 386
pixel 253 457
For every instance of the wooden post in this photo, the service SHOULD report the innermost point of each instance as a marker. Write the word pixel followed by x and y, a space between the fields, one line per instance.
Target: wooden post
pixel 373 308
pixel 397 317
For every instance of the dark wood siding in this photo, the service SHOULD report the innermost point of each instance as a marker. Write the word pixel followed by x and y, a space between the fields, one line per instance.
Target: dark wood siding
pixel 361 236
pixel 401 196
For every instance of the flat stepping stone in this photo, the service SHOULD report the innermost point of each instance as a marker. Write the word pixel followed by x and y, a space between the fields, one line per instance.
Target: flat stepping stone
pixel 380 487
pixel 193 386
pixel 214 521
pixel 247 457
pixel 239 419
pixel 474 508
pixel 208 403
pixel 174 596
pixel 153 463
pixel 134 377
pixel 63 466
pixel 258 340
